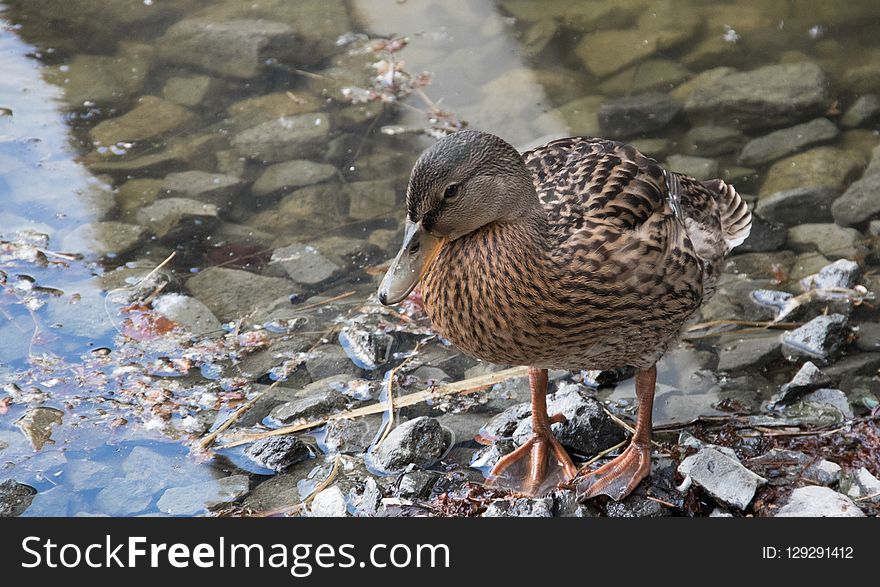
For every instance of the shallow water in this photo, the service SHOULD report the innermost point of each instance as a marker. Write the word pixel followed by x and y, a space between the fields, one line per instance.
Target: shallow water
pixel 516 68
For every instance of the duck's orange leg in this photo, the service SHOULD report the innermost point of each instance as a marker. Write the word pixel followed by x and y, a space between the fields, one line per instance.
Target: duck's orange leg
pixel 618 478
pixel 541 445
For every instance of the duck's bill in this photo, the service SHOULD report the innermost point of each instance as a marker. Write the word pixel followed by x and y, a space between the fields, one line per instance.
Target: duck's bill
pixel 418 251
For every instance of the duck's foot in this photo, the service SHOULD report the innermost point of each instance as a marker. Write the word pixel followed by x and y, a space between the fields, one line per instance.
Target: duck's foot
pixel 539 451
pixel 616 479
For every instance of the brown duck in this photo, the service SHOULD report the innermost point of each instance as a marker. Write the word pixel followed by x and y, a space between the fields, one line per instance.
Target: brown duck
pixel 580 254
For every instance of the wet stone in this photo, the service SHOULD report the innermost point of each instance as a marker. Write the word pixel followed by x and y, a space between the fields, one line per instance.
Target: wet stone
pixel 696 167
pixel 833 398
pixel 814 502
pixel 278 452
pixel 711 141
pixel 808 378
pixel 771 96
pixel 833 241
pixel 644 113
pixel 189 500
pixel 859 202
pixel 101 79
pixel 289 137
pixel 234 48
pixel 366 349
pixel 350 436
pixel 151 118
pixel 864 110
pixel 607 52
pixel 487 456
pixel 311 208
pixel 869 336
pixel 214 188
pixel 580 116
pixel 764 236
pixel 188 91
pixel 820 166
pixel 317 401
pixel 371 199
pixel 722 476
pixel 124 497
pixel 304 264
pixel 232 293
pixel 820 338
pixel 651 75
pixel 103 239
pixel 520 507
pixel 636 505
pixel 328 360
pixel 15 498
pixel 416 483
pixel 189 312
pixel 328 503
pixel 862 484
pixel 738 353
pixel 252 111
pixel 843 273
pixel 784 142
pixel 292 174
pixel 798 206
pixel 178 219
pixel 420 441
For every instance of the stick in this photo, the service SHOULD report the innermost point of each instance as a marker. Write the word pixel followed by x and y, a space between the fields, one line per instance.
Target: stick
pixel 464 387
pixel 208 440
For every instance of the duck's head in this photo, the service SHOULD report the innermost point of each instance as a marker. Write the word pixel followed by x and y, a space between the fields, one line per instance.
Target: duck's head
pixel 461 183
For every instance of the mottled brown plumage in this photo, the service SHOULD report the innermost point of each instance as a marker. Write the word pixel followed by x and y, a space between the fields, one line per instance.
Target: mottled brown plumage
pixel 582 253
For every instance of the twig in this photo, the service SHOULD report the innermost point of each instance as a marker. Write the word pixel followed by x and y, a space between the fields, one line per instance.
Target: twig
pixel 661 502
pixel 601 454
pixel 208 440
pixel 389 390
pixel 867 497
pixel 327 301
pixel 159 266
pixel 295 509
pixel 467 386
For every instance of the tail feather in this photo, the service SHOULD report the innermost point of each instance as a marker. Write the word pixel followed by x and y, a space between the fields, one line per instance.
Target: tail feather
pixel 736 219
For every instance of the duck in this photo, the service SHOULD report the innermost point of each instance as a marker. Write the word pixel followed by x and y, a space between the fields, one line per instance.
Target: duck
pixel 582 253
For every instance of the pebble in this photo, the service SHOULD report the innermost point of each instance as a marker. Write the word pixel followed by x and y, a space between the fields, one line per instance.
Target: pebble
pixel 103 239
pixel 366 349
pixel 151 118
pixel 291 174
pixel 15 498
pixel 371 199
pixel 328 503
pixel 189 91
pixel 607 52
pixel 737 352
pixel 864 110
pixel 801 205
pixel 722 476
pixel 278 452
pixel 820 338
pixel 781 143
pixel 304 264
pixel 350 436
pixel 520 507
pixel 814 501
pixel 420 441
pixel 124 497
pixel 795 464
pixel 178 219
pixel 768 97
pixel 289 137
pixel 416 483
pixel 634 115
pixel 103 79
pixel 233 293
pixel 330 360
pixel 843 273
pixel 317 401
pixel 189 312
pixel 311 208
pixel 834 398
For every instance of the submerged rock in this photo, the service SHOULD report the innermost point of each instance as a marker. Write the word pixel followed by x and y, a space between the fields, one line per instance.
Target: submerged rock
pixel 821 166
pixel 15 498
pixel 103 238
pixel 737 352
pixel 780 143
pixel 420 441
pixel 696 167
pixel 189 500
pixel 232 293
pixel 278 452
pixel 290 175
pixel 815 502
pixel 151 118
pixel 633 115
pixel 178 219
pixel 317 401
pixel 859 202
pixel 213 188
pixel 722 476
pixel 289 137
pixel 864 110
pixel 831 240
pixel 189 312
pixel 304 263
pixel 798 206
pixel 820 338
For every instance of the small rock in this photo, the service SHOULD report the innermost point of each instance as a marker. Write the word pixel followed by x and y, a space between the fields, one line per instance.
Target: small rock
pixel 188 91
pixel 178 219
pixel 416 483
pixel 189 312
pixel 289 137
pixel 859 202
pixel 278 452
pixel 864 485
pixel 317 401
pixel 565 505
pixel 234 48
pixel 330 360
pixel 831 240
pixel 103 239
pixel 635 505
pixel 830 397
pixel 793 464
pixel 607 52
pixel 213 188
pixel 784 142
pixel 814 502
pixel 151 118
pixel 767 97
pixel 371 199
pixel 696 167
pixel 652 75
pixel 520 507
pixel 15 498
pixel 292 174
pixel 304 263
pixel 232 293
pixel 808 378
pixel 824 472
pixel 37 424
pixel 349 436
pixel 189 500
pixel 764 236
pixel 634 115
pixel 420 441
pixel 843 273
pixel 869 336
pixel 864 110
pixel 722 476
pixel 797 206
pixel 737 352
pixel 124 497
pixel 821 166
pixel 329 503
pixel 820 338
pixel 252 111
pixel 367 349
pixel 711 141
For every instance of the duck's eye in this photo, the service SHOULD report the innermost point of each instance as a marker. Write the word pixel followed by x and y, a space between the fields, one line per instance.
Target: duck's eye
pixel 451 191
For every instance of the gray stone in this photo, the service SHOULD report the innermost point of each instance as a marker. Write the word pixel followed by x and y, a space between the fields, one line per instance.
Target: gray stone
pixel 289 137
pixel 232 293
pixel 831 397
pixel 292 174
pixel 635 505
pixel 833 241
pixel 864 486
pixel 854 364
pixel 15 498
pixel 151 118
pixel 652 75
pixel 234 48
pixel 371 199
pixel 189 500
pixel 304 263
pixel 781 143
pixel 367 349
pixel 722 476
pixel 214 188
pixel 814 502
pixel 711 141
pixel 278 452
pixel 188 91
pixel 420 441
pixel 795 464
pixel 843 273
pixel 798 206
pixel 565 505
pixel 764 236
pixel 350 436
pixel 178 219
pixel 818 167
pixel 103 239
pixel 635 115
pixel 864 110
pixel 771 96
pixel 808 378
pixel 820 338
pixel 327 361
pixel 608 51
pixel 737 352
pixel 696 167
pixel 520 507
pixel 309 209
pixel 189 312
pixel 124 497
pixel 101 79
pixel 316 402
pixel 859 203
pixel 416 483
pixel 328 503
pixel 869 336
